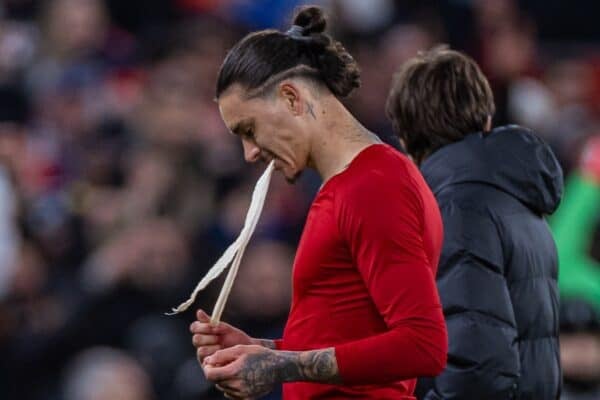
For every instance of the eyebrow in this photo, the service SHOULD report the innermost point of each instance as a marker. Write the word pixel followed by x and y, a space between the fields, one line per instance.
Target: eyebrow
pixel 242 126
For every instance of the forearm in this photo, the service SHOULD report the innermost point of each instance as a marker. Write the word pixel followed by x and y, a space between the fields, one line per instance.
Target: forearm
pixel 268 343
pixel 416 349
pixel 319 366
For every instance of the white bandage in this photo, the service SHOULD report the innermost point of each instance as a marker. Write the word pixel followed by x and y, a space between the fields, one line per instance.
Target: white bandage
pixel 235 251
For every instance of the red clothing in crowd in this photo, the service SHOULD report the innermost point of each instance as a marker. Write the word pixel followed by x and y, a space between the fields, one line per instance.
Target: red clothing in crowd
pixel 364 281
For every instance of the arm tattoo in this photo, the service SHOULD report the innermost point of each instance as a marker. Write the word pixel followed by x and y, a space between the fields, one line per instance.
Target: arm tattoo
pixel 318 366
pixel 268 343
pixel 309 107
pixel 262 371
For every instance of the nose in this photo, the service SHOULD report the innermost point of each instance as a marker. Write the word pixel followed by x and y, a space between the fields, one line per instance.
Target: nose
pixel 251 151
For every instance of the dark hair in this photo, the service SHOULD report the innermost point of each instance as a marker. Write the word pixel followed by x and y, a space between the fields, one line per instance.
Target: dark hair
pixel 437 98
pixel 264 58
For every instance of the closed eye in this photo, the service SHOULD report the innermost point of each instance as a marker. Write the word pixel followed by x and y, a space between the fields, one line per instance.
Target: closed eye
pixel 244 128
pixel 248 134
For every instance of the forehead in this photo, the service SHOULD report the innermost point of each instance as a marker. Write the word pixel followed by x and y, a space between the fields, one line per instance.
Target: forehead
pixel 235 108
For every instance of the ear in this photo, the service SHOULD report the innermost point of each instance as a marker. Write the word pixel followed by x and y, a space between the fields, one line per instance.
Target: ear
pixel 290 94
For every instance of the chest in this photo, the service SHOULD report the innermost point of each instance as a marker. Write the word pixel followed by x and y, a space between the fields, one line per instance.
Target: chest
pixel 323 259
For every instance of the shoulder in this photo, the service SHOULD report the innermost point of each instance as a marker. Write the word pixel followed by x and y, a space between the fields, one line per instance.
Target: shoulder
pixel 380 181
pixel 378 170
pixel 478 197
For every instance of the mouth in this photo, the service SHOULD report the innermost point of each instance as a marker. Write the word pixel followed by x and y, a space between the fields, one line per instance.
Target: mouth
pixel 268 157
pixel 279 165
pixel 289 175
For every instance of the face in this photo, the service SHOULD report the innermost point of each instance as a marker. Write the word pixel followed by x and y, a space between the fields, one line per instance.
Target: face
pixel 271 128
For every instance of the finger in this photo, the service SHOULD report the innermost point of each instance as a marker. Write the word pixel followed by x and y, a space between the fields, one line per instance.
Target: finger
pixel 202 316
pixel 229 391
pixel 223 386
pixel 216 374
pixel 204 340
pixel 221 327
pixel 205 351
pixel 235 396
pixel 225 356
pixel 202 328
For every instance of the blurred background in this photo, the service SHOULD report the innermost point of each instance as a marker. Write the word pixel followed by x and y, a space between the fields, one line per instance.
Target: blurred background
pixel 120 186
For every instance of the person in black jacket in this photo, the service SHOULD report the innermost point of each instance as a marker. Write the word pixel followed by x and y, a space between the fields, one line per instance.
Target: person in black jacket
pixel 497 276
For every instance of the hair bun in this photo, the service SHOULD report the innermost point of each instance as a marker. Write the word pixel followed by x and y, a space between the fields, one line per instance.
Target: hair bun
pixel 312 19
pixel 259 56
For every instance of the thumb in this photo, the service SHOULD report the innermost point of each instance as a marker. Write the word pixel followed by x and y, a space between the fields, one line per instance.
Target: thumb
pixel 202 316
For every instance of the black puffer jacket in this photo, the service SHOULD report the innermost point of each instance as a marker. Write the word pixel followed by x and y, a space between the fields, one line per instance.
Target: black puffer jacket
pixel 498 271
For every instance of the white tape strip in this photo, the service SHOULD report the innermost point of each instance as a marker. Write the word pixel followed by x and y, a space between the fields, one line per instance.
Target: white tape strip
pixel 236 249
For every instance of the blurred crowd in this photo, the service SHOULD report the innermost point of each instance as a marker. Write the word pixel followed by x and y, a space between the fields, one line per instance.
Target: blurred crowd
pixel 120 186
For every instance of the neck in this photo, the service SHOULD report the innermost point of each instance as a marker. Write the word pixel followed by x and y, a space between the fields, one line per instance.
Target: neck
pixel 338 138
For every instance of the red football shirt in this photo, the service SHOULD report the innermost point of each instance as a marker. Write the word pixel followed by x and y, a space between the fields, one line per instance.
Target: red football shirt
pixel 364 281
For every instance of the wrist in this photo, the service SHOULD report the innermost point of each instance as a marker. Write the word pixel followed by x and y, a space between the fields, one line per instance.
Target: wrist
pixel 308 366
pixel 289 367
pixel 268 343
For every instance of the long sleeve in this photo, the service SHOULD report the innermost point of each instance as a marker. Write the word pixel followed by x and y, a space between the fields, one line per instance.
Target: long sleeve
pixel 483 354
pixel 384 227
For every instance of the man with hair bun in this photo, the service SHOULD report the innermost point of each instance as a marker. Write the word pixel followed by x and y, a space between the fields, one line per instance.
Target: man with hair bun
pixel 366 318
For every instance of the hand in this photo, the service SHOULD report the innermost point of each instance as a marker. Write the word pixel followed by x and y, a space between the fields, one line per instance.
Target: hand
pixel 209 338
pixel 245 372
